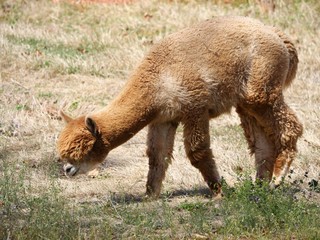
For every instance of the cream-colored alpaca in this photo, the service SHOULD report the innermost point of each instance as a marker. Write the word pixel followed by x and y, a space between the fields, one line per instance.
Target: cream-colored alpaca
pixel 189 77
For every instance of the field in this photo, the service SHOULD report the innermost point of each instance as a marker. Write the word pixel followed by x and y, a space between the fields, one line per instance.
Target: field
pixel 77 57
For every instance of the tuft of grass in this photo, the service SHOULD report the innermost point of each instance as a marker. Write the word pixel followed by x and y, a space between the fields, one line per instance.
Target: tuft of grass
pixel 22 107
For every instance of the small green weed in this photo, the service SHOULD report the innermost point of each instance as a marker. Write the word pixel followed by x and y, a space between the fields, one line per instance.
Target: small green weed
pixel 22 107
pixel 45 95
pixel 74 106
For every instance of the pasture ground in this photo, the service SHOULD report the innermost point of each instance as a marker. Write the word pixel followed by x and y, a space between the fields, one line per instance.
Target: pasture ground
pixel 77 57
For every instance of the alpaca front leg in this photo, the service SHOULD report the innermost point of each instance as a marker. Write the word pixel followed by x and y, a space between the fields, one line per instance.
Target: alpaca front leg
pixel 160 147
pixel 197 145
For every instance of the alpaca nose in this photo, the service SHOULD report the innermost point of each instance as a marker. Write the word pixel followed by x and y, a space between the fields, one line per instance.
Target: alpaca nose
pixel 69 169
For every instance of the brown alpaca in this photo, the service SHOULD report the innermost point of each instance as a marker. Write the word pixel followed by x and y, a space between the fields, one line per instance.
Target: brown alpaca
pixel 189 77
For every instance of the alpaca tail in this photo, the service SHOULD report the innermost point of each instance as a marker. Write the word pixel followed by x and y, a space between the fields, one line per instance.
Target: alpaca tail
pixel 293 64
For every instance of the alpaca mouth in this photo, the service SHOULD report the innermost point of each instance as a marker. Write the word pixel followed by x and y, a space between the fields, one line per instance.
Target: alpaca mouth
pixel 70 170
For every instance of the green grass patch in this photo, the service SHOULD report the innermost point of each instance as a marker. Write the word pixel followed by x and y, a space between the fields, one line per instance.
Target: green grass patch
pixel 62 50
pixel 253 209
pixel 247 210
pixel 59 57
pixel 26 214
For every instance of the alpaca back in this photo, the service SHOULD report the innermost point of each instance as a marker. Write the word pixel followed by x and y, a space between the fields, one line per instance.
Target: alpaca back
pixel 199 66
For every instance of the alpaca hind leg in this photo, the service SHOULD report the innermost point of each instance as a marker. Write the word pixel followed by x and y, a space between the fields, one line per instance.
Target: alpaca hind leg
pixel 262 97
pixel 197 145
pixel 289 129
pixel 283 128
pixel 260 145
pixel 160 146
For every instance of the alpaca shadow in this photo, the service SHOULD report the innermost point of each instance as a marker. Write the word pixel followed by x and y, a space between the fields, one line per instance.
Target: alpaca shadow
pixel 199 191
pixel 131 198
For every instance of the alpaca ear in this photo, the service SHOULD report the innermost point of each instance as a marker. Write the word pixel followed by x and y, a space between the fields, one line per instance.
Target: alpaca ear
pixel 65 117
pixel 92 126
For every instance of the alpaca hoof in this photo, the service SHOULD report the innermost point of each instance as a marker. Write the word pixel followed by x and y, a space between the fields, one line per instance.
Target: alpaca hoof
pixel 150 197
pixel 218 196
pixel 215 188
pixel 273 185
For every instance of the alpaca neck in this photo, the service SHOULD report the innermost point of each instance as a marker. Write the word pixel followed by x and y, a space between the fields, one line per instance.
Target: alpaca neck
pixel 131 111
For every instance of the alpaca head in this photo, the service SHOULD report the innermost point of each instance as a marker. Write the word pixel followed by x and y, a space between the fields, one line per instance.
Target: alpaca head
pixel 80 145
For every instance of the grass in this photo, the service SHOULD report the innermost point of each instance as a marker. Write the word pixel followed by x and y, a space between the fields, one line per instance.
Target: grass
pixel 29 215
pixel 279 212
pixel 248 210
pixel 78 57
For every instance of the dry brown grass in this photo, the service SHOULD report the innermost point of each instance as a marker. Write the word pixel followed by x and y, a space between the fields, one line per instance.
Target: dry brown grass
pixel 77 58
